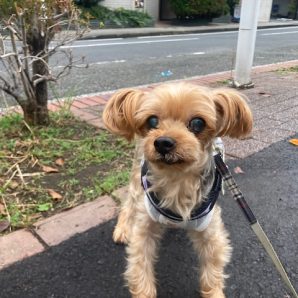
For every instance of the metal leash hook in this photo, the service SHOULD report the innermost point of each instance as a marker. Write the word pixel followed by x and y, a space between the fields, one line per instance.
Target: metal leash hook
pixel 239 198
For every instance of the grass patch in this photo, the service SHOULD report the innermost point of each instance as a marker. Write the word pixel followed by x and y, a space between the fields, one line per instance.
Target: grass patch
pixel 222 83
pixel 48 169
pixel 288 70
pixel 227 82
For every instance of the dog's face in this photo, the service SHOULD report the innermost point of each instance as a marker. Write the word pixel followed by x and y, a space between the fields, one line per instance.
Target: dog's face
pixel 178 122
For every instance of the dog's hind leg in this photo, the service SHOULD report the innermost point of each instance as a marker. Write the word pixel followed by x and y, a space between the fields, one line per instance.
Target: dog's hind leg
pixel 142 254
pixel 214 251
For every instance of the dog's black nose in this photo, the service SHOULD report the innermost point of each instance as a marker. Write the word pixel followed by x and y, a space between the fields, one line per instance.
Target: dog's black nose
pixel 164 145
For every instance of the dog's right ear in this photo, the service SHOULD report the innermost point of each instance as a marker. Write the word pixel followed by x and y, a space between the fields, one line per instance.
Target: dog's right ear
pixel 118 115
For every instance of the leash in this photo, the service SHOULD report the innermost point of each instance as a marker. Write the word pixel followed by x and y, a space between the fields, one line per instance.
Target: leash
pixel 254 224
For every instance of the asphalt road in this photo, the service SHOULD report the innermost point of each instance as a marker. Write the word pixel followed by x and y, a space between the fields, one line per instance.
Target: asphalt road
pixel 118 63
pixel 126 62
pixel 91 265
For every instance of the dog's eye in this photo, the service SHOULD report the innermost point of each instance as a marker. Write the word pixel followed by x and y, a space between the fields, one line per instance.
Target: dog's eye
pixel 152 122
pixel 196 125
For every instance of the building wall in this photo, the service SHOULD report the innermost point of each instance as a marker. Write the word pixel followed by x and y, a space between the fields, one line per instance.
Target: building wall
pixel 166 12
pixel 265 10
pixel 282 8
pixel 127 4
pixel 152 8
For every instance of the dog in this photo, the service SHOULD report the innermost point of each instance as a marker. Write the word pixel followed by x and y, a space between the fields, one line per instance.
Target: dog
pixel 174 181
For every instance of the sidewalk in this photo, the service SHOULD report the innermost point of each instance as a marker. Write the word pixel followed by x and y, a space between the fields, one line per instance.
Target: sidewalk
pixel 163 28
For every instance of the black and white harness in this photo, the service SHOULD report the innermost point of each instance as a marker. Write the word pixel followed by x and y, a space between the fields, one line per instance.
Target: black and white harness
pixel 200 216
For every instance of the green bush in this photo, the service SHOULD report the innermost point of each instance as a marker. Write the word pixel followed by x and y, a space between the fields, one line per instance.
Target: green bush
pixel 130 18
pixel 119 17
pixel 231 4
pixel 86 3
pixel 197 9
pixel 293 7
pixel 98 12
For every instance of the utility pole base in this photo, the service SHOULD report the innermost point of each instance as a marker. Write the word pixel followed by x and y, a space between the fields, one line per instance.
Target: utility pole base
pixel 237 85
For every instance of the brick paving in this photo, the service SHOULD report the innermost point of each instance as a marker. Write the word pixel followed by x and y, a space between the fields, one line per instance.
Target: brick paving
pixel 273 101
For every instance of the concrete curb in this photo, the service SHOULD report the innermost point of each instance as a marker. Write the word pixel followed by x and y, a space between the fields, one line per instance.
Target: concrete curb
pixel 21 244
pixel 51 231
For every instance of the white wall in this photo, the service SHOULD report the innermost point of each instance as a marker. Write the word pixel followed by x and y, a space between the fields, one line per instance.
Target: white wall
pixel 127 4
pixel 152 8
pixel 265 10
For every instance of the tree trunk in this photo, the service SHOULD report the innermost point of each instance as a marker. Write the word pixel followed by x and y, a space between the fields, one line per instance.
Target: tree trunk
pixel 35 114
pixel 41 94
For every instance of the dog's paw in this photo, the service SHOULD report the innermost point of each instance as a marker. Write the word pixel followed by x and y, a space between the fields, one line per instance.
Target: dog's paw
pixel 119 236
pixel 143 296
pixel 218 293
pixel 147 294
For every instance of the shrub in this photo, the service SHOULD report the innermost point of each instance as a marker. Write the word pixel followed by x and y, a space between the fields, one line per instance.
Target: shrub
pixel 119 17
pixel 196 9
pixel 130 18
pixel 231 4
pixel 293 7
pixel 87 3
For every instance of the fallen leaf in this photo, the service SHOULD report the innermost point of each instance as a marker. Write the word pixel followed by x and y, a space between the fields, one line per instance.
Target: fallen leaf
pixel 55 195
pixel 44 207
pixel 48 169
pixel 4 224
pixel 238 170
pixel 294 142
pixel 2 209
pixel 264 94
pixel 59 162
pixel 34 217
pixel 13 185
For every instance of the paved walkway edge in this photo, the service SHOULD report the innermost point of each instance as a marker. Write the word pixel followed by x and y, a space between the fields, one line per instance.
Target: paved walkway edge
pixel 51 231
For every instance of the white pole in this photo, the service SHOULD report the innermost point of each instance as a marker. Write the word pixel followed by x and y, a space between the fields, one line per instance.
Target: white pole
pixel 246 42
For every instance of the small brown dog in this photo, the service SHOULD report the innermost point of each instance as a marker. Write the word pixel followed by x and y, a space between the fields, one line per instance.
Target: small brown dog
pixel 175 127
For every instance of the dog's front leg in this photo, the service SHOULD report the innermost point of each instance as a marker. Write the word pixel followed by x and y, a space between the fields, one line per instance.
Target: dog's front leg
pixel 142 254
pixel 214 251
pixel 127 213
pixel 123 226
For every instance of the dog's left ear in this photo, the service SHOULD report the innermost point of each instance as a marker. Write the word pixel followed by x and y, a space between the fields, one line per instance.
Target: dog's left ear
pixel 119 113
pixel 234 117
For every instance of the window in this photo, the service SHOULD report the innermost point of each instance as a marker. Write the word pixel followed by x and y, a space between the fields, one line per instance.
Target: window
pixel 139 3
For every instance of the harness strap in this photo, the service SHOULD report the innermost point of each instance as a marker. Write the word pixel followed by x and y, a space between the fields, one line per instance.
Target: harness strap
pixel 199 212
pixel 239 198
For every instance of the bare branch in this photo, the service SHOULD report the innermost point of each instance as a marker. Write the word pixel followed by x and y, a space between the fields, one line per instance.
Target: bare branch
pixel 2 46
pixel 59 16
pixel 24 39
pixel 42 79
pixel 24 78
pixel 8 55
pixel 26 69
pixel 16 96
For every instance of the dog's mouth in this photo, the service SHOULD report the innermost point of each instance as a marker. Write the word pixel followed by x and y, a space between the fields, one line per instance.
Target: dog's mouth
pixel 170 159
